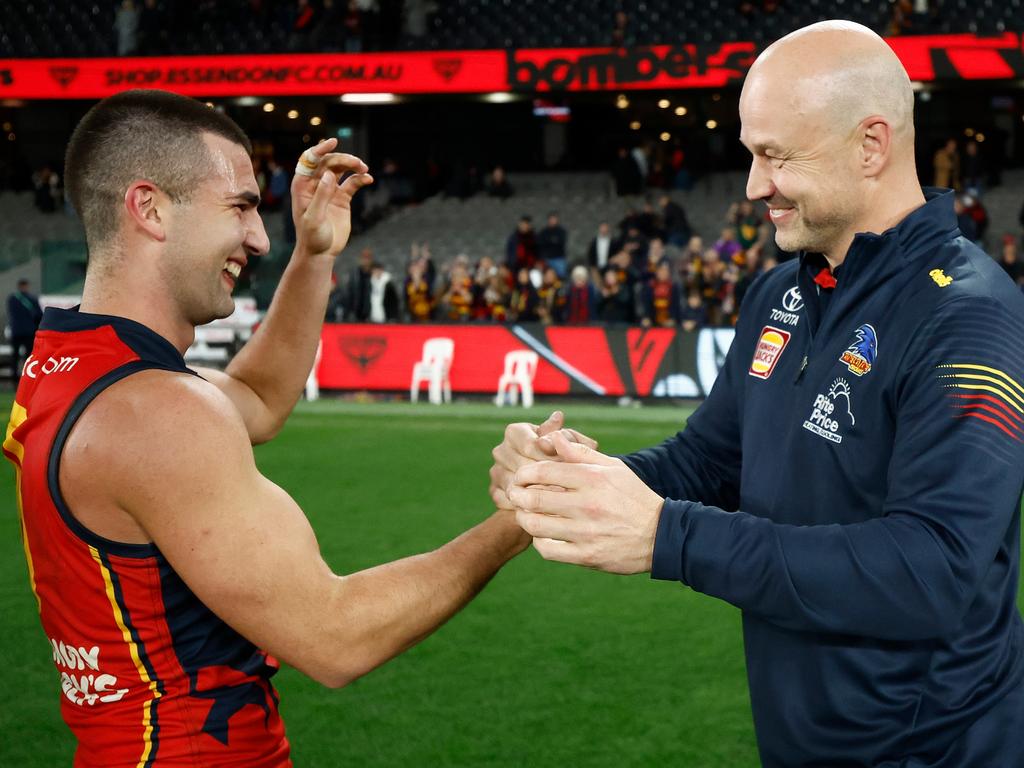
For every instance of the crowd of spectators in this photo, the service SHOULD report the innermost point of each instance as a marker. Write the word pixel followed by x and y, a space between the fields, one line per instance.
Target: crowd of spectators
pixel 649 269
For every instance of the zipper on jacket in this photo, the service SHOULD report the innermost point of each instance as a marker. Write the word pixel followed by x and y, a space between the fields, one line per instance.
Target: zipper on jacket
pixel 800 373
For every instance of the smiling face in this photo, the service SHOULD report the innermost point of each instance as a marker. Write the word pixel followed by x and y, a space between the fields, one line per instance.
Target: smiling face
pixel 802 167
pixel 211 236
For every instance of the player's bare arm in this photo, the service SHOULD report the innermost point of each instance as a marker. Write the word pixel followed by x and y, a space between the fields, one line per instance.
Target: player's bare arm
pixel 266 378
pixel 163 457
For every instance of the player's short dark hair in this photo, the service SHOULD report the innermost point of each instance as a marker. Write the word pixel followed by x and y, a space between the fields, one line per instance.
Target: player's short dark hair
pixel 140 134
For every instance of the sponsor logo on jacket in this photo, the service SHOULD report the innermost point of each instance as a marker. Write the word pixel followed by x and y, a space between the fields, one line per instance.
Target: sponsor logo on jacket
pixel 769 349
pixel 860 356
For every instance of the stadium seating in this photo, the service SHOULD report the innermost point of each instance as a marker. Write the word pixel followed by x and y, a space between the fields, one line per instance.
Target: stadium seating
pixel 86 27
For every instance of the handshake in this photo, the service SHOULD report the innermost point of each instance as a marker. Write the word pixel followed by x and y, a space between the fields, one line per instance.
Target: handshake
pixel 579 505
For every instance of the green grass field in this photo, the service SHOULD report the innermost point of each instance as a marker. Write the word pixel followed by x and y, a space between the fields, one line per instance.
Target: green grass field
pixel 551 666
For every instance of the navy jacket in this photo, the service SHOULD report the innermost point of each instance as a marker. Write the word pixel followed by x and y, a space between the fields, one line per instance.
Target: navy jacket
pixel 852 483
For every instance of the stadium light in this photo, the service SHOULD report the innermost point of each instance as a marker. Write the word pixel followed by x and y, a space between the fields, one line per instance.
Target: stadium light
pixel 499 97
pixel 292 114
pixel 711 124
pixel 8 126
pixel 664 103
pixel 368 98
pixel 621 101
pixel 979 137
pixel 11 136
pixel 268 107
pixel 665 135
pixel 209 104
pixel 247 101
pixel 681 111
pixel 635 125
pixel 968 132
pixel 315 121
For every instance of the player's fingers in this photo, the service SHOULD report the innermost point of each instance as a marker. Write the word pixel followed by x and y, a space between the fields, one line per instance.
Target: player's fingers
pixel 578 452
pixel 546 526
pixel 553 422
pixel 572 476
pixel 342 163
pixel 321 196
pixel 522 438
pixel 353 184
pixel 500 498
pixel 537 497
pixel 579 437
pixel 559 551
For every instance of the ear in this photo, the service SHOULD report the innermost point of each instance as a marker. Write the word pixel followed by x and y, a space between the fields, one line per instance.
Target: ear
pixel 876 145
pixel 147 207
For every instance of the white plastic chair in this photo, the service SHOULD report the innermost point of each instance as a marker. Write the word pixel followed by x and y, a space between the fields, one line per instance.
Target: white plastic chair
pixel 434 369
pixel 520 368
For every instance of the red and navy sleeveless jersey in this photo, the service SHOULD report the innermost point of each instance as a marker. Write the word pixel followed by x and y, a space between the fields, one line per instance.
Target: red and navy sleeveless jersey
pixel 149 676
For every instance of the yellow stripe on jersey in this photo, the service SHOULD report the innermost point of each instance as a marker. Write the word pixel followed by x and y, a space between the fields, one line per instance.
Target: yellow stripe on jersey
pixel 147 734
pixel 1014 387
pixel 14 448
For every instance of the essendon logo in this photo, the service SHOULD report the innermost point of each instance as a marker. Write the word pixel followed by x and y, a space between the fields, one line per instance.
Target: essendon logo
pixel 582 69
pixel 363 351
pixel 447 68
pixel 64 75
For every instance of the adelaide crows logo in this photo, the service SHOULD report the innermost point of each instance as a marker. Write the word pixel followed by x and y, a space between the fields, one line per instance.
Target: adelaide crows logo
pixel 860 356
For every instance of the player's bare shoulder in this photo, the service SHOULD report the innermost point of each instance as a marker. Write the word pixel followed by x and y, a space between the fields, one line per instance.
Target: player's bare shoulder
pixel 142 439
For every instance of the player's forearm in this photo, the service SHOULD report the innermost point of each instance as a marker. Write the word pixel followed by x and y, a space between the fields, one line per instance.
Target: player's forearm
pixel 383 611
pixel 276 362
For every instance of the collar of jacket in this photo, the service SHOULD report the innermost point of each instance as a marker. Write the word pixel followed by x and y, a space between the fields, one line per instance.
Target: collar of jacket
pixel 916 236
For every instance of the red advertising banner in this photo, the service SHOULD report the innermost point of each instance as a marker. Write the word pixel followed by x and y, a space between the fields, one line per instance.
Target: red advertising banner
pixel 597 361
pixel 686 65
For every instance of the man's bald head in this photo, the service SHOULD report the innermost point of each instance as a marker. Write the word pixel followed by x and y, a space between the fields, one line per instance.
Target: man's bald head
pixel 828 114
pixel 836 74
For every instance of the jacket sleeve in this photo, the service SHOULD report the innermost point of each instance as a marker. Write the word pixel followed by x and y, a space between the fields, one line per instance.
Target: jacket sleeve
pixel 954 486
pixel 702 462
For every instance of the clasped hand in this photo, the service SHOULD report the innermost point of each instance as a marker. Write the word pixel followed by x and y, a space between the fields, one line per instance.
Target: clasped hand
pixel 579 505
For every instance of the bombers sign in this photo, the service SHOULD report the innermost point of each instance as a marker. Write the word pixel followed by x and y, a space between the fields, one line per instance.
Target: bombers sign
pixel 640 362
pixel 686 65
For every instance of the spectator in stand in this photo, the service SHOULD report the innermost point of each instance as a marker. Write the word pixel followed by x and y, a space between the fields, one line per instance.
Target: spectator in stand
pixel 752 270
pixel 303 26
pixel 974 170
pixel 496 297
pixel 498 184
pixel 693 315
pixel 521 246
pixel 641 156
pixel 383 296
pixel 946 165
pixel 727 295
pixel 661 299
pixel 552 243
pixel 581 303
pixel 615 306
pixel 655 256
pixel 727 246
pixel 277 188
pixel 710 279
pixel 621 34
pixel 1009 262
pixel 357 298
pixel 691 254
pixel 152 35
pixel 353 23
pixel 126 23
pixel 335 312
pixel 626 173
pixel 603 246
pixel 457 300
pixel 973 207
pixel 419 294
pixel 674 222
pixel 551 297
pixel 646 220
pixel 747 224
pixel 47 190
pixel 23 316
pixel 525 301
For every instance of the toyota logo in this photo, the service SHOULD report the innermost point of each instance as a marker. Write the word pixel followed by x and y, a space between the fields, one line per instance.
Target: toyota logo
pixel 793 301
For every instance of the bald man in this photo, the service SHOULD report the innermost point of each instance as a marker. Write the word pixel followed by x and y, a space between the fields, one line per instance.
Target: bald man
pixel 852 482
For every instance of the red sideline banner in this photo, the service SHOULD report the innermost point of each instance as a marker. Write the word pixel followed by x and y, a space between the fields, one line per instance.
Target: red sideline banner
pixel 640 362
pixel 685 65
